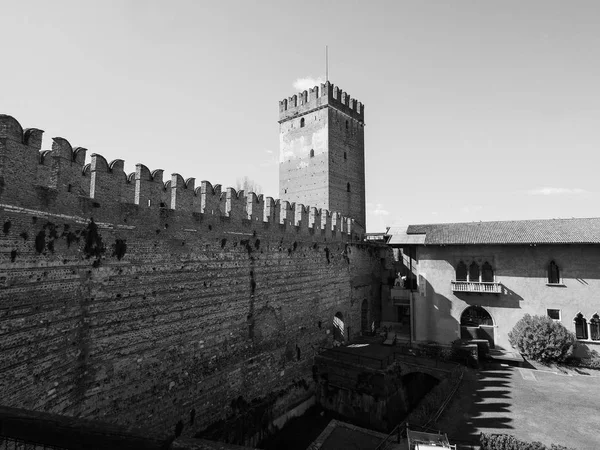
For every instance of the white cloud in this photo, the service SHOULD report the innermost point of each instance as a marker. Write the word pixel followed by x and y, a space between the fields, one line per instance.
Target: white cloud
pixel 304 84
pixel 379 211
pixel 555 191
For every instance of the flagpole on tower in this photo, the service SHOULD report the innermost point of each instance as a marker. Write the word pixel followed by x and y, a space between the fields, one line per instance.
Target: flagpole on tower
pixel 326 63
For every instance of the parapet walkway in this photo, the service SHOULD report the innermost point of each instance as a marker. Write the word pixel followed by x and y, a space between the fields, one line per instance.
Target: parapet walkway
pixel 378 356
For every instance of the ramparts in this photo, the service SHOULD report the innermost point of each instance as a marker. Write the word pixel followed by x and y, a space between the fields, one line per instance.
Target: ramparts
pixel 60 180
pixel 318 97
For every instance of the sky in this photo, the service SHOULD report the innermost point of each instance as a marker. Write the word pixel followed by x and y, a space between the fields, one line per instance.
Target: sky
pixel 474 110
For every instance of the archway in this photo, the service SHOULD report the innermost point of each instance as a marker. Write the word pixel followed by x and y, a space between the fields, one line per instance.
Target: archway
pixel 338 327
pixel 416 385
pixel 477 323
pixel 364 317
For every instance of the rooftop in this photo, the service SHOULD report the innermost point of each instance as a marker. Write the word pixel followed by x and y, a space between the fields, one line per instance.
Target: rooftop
pixel 547 231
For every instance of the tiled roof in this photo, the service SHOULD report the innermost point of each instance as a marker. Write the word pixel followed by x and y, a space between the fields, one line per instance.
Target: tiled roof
pixel 403 238
pixel 549 231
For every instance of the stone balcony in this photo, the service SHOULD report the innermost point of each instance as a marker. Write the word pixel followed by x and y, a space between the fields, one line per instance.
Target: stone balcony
pixel 477 287
pixel 400 295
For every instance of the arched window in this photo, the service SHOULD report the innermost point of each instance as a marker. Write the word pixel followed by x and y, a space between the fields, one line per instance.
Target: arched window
pixel 475 316
pixel 461 272
pixel 487 273
pixel 474 272
pixel 348 187
pixel 580 327
pixel 302 123
pixel 553 273
pixel 312 153
pixel 595 327
pixel 338 327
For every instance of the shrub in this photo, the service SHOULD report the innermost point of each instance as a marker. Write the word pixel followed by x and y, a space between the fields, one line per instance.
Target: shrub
pixel 509 442
pixel 592 362
pixel 542 339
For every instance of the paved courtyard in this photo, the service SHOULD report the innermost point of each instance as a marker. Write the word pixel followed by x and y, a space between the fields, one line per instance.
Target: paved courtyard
pixel 534 405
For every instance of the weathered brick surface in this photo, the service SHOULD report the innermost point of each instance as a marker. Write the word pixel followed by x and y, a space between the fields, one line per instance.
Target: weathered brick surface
pixel 139 314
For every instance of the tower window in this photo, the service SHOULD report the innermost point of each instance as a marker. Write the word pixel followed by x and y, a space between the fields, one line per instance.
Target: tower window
pixel 345 156
pixel 347 124
pixel 312 153
pixel 348 187
pixel 302 123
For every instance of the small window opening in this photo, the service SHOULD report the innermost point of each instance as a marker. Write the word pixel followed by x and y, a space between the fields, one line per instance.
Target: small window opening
pixel 461 272
pixel 347 124
pixel 474 272
pixel 348 187
pixel 595 327
pixel 553 273
pixel 554 314
pixel 580 326
pixel 178 428
pixel 487 273
pixel 149 202
pixel 302 123
pixel 69 187
pixel 312 153
pixel 345 155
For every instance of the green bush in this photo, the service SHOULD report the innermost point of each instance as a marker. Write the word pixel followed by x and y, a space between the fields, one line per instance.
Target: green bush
pixel 542 339
pixel 509 442
pixel 591 362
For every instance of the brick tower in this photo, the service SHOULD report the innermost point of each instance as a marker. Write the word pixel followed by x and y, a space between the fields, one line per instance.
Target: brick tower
pixel 322 151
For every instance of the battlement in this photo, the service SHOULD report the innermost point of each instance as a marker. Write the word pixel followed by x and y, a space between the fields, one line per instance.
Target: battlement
pixel 59 181
pixel 318 97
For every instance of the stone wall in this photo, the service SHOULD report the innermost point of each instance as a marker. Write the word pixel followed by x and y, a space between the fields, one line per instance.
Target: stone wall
pixel 154 304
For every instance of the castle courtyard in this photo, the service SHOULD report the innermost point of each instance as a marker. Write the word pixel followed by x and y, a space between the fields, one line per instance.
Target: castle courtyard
pixel 552 407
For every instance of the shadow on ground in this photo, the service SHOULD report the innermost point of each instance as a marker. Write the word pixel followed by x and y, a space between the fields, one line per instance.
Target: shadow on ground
pixel 482 402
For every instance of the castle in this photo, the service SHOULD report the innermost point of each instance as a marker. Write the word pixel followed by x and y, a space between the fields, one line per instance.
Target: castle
pixel 173 306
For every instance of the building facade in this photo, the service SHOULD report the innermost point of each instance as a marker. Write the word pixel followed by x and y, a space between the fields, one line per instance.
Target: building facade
pixel 322 151
pixel 476 280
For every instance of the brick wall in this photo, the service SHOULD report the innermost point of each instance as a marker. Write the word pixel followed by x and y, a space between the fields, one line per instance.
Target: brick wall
pixel 180 307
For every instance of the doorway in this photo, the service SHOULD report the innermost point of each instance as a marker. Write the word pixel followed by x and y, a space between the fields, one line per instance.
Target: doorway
pixel 477 323
pixel 364 317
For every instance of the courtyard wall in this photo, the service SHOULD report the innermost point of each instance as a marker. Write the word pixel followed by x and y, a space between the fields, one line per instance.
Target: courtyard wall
pixel 141 302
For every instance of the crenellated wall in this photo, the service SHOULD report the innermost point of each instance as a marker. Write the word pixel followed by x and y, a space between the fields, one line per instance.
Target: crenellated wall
pixel 140 301
pixel 317 97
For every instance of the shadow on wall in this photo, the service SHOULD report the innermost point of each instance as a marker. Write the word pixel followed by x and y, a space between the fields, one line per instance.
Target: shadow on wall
pixel 443 327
